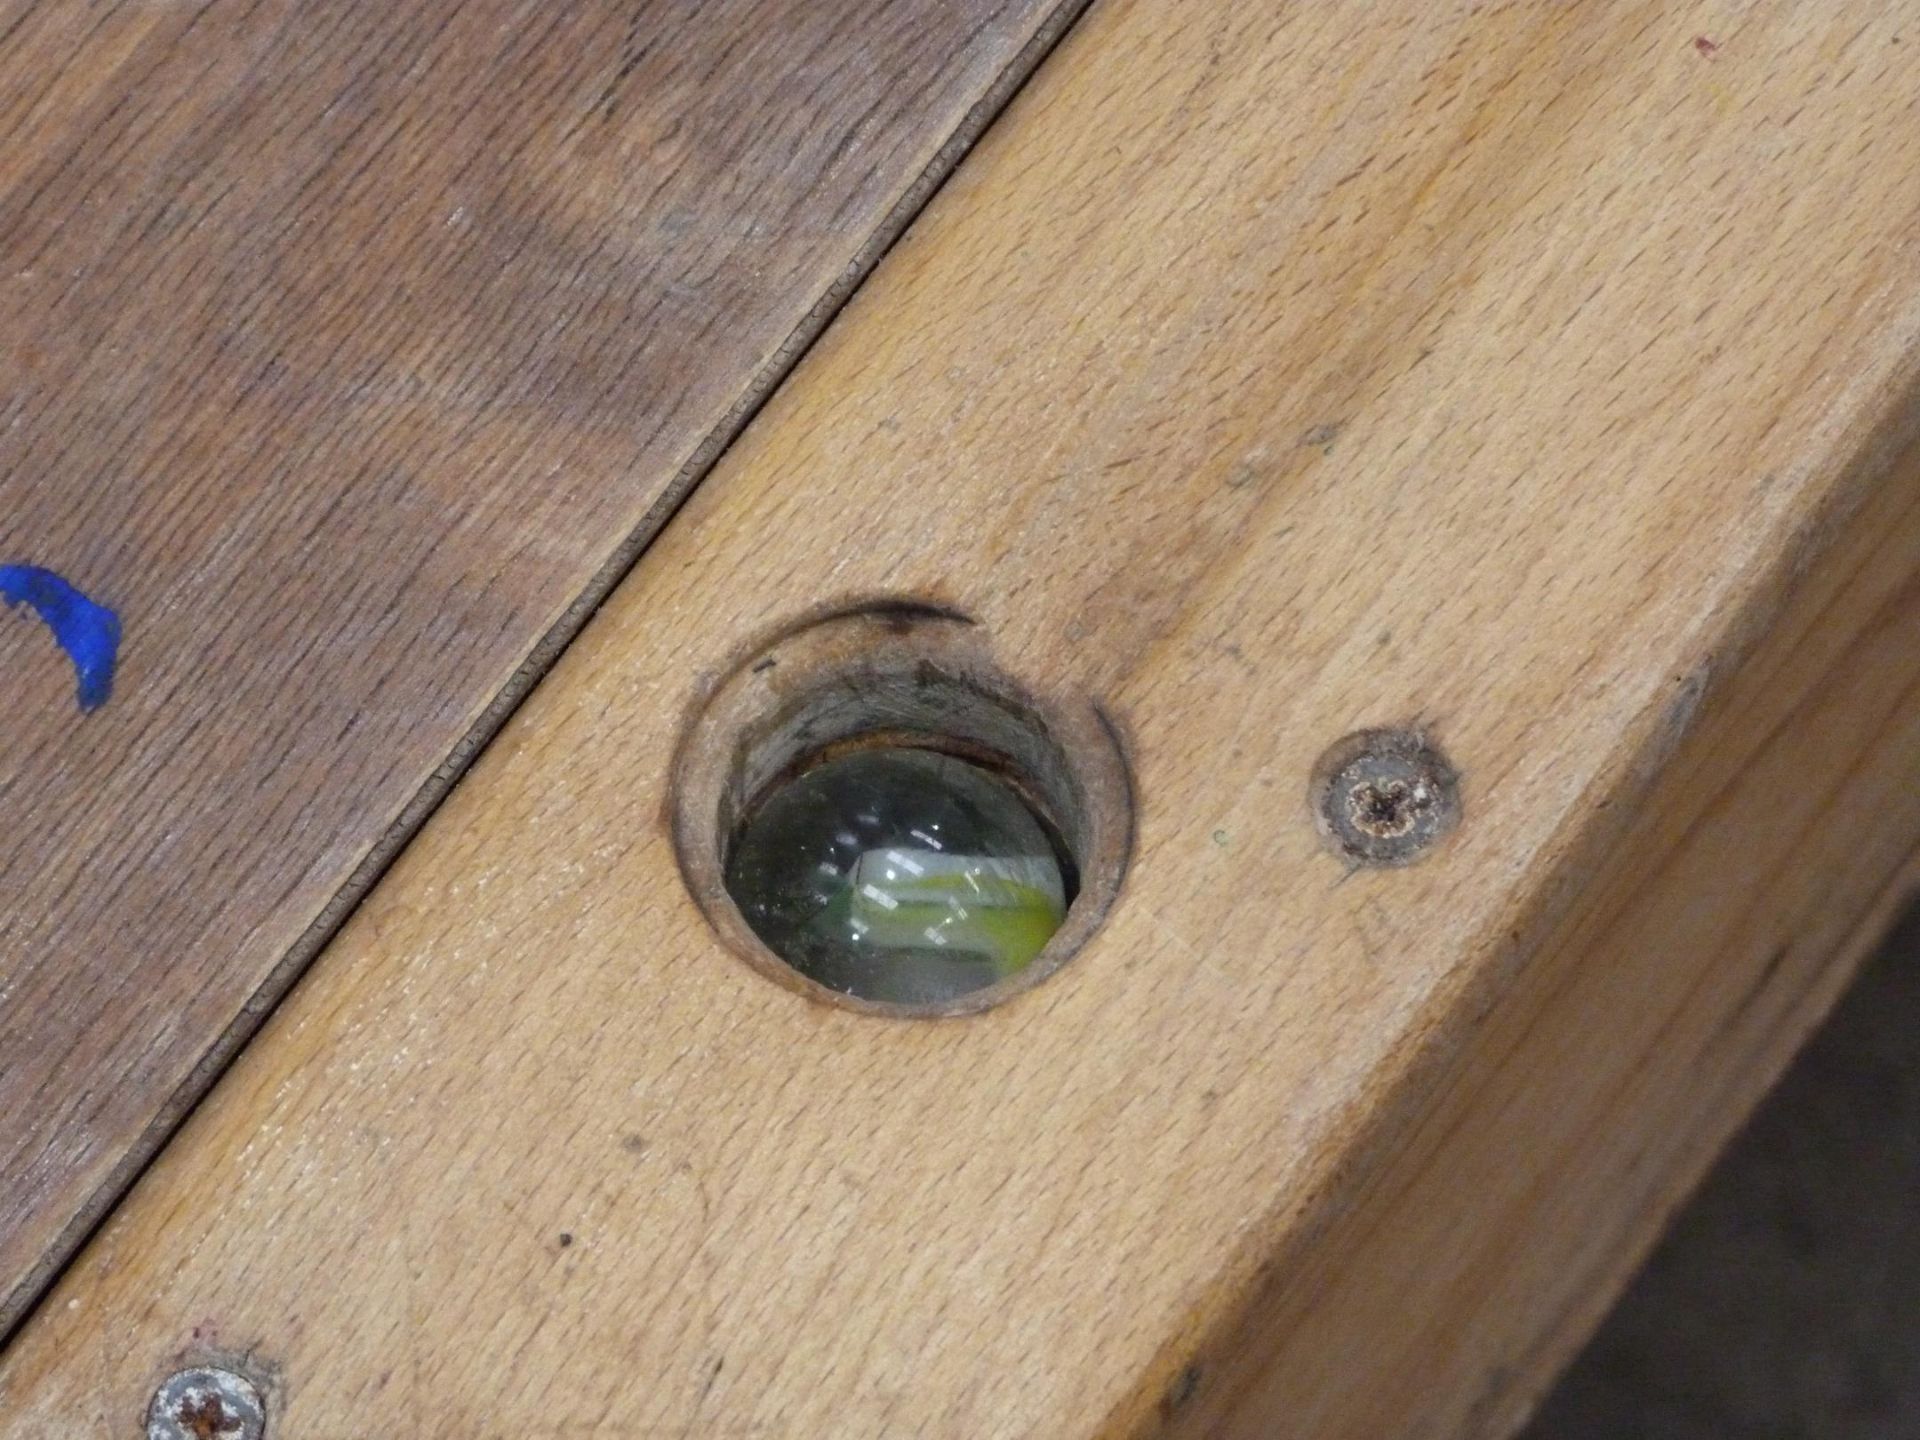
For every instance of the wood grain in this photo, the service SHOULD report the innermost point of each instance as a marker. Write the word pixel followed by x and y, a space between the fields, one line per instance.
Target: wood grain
pixel 1532 371
pixel 1770 854
pixel 353 350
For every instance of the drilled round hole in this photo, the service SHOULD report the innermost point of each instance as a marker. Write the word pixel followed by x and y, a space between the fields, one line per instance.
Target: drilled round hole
pixel 872 812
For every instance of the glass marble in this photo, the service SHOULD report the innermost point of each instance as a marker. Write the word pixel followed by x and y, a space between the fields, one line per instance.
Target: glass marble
pixel 900 875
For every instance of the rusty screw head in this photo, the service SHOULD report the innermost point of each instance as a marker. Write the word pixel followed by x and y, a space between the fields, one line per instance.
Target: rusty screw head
pixel 206 1403
pixel 1384 797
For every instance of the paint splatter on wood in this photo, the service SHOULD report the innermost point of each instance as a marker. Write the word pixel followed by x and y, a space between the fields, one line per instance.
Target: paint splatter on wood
pixel 88 632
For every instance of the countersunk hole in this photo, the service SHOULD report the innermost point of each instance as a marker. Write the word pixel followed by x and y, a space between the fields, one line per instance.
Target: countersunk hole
pixel 883 818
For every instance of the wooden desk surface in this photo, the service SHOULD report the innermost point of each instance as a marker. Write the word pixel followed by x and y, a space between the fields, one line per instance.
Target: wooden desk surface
pixel 1538 377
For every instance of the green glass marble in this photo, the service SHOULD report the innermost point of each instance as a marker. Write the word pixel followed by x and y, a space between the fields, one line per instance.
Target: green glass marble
pixel 900 875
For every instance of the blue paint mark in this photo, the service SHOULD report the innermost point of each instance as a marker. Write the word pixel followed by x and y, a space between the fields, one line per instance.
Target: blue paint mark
pixel 89 633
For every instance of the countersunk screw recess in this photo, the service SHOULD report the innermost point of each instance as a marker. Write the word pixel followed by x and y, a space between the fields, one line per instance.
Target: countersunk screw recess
pixel 1385 797
pixel 206 1403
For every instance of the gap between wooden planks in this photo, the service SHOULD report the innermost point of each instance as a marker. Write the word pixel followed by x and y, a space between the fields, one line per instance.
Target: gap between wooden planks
pixel 1519 369
pixel 354 350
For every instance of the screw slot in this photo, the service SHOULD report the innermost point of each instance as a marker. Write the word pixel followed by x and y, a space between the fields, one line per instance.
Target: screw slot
pixel 871 811
pixel 206 1403
pixel 1385 797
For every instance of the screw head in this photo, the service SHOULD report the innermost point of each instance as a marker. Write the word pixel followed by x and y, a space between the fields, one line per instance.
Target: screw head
pixel 1385 797
pixel 206 1403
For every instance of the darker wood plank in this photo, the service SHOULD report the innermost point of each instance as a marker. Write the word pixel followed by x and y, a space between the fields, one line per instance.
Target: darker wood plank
pixel 352 350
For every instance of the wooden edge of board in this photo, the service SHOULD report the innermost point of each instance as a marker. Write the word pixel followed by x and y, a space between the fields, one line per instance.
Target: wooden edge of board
pixel 1776 832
